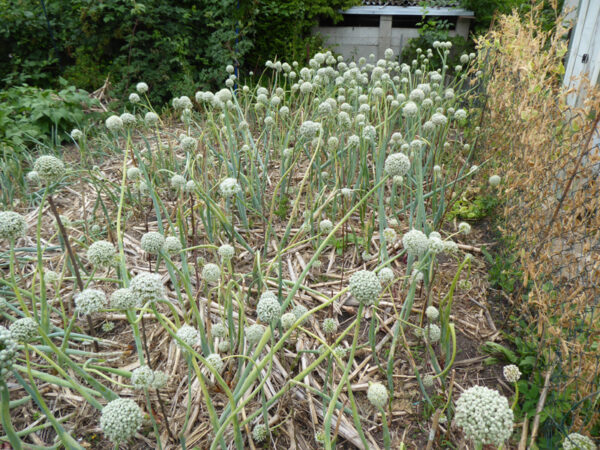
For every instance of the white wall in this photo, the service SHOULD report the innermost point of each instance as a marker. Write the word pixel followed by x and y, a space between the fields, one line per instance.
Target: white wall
pixel 357 42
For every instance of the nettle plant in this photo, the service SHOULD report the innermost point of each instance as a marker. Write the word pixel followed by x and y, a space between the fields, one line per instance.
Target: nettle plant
pixel 354 160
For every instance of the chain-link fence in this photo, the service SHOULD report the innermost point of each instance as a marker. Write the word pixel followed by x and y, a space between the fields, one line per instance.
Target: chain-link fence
pixel 548 155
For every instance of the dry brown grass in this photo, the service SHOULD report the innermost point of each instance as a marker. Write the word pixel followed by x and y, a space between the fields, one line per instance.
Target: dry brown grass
pixel 552 194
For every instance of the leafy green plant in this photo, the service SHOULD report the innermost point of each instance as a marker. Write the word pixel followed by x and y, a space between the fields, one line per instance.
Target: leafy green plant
pixel 31 114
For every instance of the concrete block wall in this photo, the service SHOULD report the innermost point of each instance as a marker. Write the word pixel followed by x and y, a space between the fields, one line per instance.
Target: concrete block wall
pixel 357 42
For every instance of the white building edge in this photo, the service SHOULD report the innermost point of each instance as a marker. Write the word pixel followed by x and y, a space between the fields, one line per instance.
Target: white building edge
pixel 381 24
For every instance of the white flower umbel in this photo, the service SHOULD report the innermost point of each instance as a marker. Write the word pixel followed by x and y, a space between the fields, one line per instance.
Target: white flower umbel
pixel 415 242
pixel 141 87
pixel 214 360
pixel 101 253
pixel 189 335
pixel 8 352
pixel 211 273
pixel 226 252
pixel 495 180
pixel 142 377
pixel 229 187
pixel 325 226
pixel 114 124
pixel 121 419
pixel 172 245
pixel 464 228
pixel 219 330
pixel 254 333
pixel 90 301
pixel 124 298
pixel 365 286
pixel 397 164
pixel 178 182
pixel 151 118
pixel 386 275
pixel 309 129
pixel 12 225
pixel 432 313
pixel 49 168
pixel 484 415
pixel 268 308
pixel 287 320
pixel 134 98
pixel 576 441
pixel 329 326
pixel 260 432
pixel 511 373
pixel 24 330
pixel 152 242
pixel 377 394
pixel 76 134
pixel 432 332
pixel 148 287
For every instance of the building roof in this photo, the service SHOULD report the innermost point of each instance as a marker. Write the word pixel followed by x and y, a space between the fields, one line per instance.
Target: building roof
pixel 410 8
pixel 438 3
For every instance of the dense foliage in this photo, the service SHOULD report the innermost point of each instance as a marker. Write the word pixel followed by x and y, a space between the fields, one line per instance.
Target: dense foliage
pixel 174 47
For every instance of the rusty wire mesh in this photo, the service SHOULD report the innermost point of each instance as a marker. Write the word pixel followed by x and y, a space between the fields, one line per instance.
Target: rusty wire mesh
pixel 549 159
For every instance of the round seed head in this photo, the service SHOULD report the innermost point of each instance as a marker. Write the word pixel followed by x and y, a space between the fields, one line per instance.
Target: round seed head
pixel 260 432
pixel 76 134
pixel 415 242
pixel 211 273
pixel 114 124
pixel 428 380
pixel 147 287
pixel 432 313
pixel 432 332
pixel 152 242
pixel 49 168
pixel 90 301
pixel 229 187
pixel 128 119
pixel 464 228
pixel 142 377
pixel 511 373
pixel 219 330
pixel 377 395
pixel 151 118
pixel 51 277
pixel 214 360
pixel 254 333
pixel 495 180
pixel 178 182
pixel 141 87
pixel 365 286
pixel 299 311
pixel 101 254
pixel 12 225
pixel 226 252
pixel 287 320
pixel 121 419
pixel 325 226
pixel 124 298
pixel 329 326
pixel 576 441
pixel 484 415
pixel 24 330
pixel 133 173
pixel 386 275
pixel 397 164
pixel 8 352
pixel 172 245
pixel 268 308
pixel 189 335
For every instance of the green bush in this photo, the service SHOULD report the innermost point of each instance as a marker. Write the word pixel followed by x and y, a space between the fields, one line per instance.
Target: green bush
pixel 31 114
pixel 175 47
